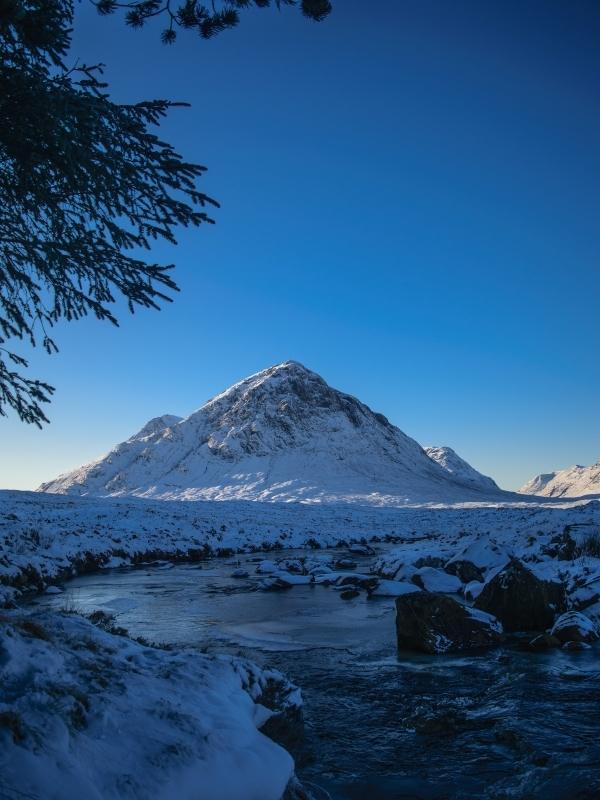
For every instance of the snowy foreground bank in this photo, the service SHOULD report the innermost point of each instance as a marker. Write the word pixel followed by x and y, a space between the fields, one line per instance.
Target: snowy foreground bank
pixel 88 713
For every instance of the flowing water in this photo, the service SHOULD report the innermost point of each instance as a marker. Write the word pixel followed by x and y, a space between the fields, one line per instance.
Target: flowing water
pixel 378 724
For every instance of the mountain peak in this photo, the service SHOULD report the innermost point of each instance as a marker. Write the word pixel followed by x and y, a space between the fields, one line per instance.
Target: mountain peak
pixel 449 460
pixel 281 434
pixel 155 425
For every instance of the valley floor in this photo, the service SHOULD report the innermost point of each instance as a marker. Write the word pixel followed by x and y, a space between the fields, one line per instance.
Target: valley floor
pixel 75 695
pixel 46 538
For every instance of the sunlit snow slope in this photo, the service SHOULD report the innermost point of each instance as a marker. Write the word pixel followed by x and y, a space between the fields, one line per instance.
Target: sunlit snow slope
pixel 575 481
pixel 461 470
pixel 280 435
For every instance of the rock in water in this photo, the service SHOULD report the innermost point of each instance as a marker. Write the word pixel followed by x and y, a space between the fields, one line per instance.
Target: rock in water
pixel 576 646
pixel 385 588
pixel 520 600
pixel 541 642
pixel 574 627
pixel 361 550
pixel 239 573
pixel 435 623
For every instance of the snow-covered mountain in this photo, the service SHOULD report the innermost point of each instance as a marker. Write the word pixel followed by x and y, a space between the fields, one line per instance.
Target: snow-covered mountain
pixel 281 435
pixel 155 425
pixel 447 458
pixel 575 481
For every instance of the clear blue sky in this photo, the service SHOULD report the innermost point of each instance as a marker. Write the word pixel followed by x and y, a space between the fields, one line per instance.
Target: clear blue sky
pixel 410 207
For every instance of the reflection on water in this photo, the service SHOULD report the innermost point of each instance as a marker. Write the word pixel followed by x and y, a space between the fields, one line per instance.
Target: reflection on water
pixel 501 725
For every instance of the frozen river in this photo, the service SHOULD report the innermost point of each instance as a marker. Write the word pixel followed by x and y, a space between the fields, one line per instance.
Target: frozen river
pixel 378 724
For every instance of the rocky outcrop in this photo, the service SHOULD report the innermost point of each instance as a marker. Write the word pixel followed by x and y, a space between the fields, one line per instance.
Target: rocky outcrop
pixel 466 571
pixel 435 623
pixel 521 600
pixel 562 547
pixel 574 627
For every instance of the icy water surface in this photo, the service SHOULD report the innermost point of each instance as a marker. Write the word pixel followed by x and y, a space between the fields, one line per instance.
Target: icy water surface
pixel 379 725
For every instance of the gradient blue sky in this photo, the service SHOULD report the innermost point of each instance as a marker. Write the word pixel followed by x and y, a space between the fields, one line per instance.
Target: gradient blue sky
pixel 410 207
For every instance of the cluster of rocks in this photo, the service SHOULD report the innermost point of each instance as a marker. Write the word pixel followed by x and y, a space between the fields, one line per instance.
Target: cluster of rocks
pixel 515 600
pixel 337 571
pixel 445 606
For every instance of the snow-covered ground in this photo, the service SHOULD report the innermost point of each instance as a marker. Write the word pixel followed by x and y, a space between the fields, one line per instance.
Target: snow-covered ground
pixel 575 481
pixel 45 538
pixel 100 716
pixel 88 714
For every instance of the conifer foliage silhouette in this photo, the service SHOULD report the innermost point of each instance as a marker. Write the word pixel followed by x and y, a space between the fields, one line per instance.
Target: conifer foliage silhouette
pixel 86 184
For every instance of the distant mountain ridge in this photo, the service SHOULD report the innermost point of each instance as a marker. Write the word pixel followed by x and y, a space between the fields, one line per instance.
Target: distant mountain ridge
pixel 283 435
pixel 575 481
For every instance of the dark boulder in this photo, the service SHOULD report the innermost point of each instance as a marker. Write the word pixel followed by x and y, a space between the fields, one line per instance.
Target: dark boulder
pixel 520 600
pixel 430 622
pixel 349 594
pixel 285 723
pixel 562 546
pixel 364 581
pixel 361 550
pixel 465 570
pixel 345 563
pixel 429 561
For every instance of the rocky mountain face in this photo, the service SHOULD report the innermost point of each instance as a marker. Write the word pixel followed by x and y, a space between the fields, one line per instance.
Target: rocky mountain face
pixel 285 435
pixel 576 481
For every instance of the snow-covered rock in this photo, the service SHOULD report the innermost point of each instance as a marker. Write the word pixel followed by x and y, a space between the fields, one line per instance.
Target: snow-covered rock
pixel 387 588
pixel 361 550
pixel 281 435
pixel 342 578
pixel 240 573
pixel 473 589
pixel 484 553
pixel 575 481
pixel 266 567
pixel 520 599
pixel 574 627
pixel 435 623
pixel 460 469
pixel 293 579
pixel 434 580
